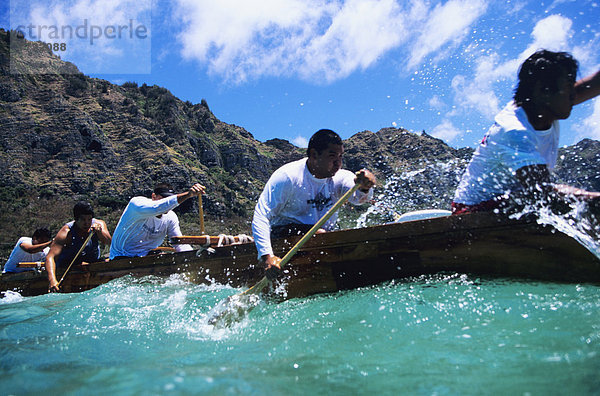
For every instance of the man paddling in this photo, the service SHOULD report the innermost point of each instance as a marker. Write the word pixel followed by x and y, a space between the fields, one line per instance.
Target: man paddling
pixel 300 192
pixel 519 151
pixel 29 249
pixel 146 222
pixel 70 239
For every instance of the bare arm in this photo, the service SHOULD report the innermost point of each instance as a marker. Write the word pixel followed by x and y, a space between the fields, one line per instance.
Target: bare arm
pixel 587 88
pixel 55 249
pixel 536 182
pixel 564 189
pixel 194 191
pixel 31 248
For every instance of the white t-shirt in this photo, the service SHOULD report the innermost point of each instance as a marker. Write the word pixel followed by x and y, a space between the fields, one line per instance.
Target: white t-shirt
pixel 294 196
pixel 19 255
pixel 140 230
pixel 511 143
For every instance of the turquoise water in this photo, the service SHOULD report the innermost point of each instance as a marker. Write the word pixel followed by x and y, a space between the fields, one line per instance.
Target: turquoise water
pixel 442 335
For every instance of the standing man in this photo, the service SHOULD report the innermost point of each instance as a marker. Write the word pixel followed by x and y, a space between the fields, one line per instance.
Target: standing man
pixel 299 193
pixel 70 238
pixel 520 150
pixel 146 221
pixel 29 249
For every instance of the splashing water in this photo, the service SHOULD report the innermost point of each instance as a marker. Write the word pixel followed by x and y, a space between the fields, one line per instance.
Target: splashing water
pixel 579 222
pixel 236 307
pixel 9 297
pixel 430 186
pixel 232 310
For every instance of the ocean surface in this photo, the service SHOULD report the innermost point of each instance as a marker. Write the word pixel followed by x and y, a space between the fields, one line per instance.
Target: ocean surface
pixel 448 334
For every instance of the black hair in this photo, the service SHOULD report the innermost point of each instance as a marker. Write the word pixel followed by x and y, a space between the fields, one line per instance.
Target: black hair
pixel 546 67
pixel 42 233
pixel 322 139
pixel 82 208
pixel 164 190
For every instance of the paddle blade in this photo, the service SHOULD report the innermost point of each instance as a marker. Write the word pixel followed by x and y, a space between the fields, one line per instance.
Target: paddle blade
pixel 232 310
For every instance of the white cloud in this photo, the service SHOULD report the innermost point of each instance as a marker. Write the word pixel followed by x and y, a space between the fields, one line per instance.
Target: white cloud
pixel 317 40
pixel 437 103
pixel 446 25
pixel 238 38
pixel 476 92
pixel 551 33
pixel 446 131
pixel 300 141
pixel 359 33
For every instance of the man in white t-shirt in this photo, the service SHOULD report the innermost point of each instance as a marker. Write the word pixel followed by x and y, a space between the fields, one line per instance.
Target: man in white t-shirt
pixel 28 250
pixel 299 193
pixel 518 152
pixel 146 222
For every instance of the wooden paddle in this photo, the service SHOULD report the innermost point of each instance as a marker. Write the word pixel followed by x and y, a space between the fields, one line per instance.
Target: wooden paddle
pixel 30 264
pixel 212 240
pixel 76 257
pixel 261 284
pixel 201 214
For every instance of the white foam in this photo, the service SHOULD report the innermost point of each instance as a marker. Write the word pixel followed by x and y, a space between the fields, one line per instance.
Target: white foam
pixel 10 297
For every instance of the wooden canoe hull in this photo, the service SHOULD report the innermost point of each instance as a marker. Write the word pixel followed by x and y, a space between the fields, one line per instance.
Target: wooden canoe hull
pixel 481 244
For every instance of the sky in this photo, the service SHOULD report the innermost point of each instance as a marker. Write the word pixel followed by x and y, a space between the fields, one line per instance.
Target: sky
pixel 286 68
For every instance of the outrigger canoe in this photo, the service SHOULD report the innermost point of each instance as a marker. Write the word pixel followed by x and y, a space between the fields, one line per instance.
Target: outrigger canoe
pixel 481 244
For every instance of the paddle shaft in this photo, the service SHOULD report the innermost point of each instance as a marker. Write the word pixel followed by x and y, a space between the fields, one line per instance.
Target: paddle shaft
pixel 76 256
pixel 264 281
pixel 201 214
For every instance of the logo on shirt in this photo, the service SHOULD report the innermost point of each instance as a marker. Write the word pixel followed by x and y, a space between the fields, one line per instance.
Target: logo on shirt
pixel 319 202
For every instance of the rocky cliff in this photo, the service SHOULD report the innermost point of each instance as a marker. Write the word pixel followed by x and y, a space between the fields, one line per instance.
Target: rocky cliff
pixel 65 136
